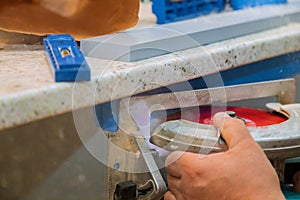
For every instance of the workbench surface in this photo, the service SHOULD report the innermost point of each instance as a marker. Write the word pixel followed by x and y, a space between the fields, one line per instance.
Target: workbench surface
pixel 28 92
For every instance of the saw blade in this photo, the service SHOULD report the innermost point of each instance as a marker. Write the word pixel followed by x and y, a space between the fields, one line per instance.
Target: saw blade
pixel 279 138
pixel 251 116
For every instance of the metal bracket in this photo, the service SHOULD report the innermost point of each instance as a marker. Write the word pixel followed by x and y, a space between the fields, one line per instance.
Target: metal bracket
pixel 159 183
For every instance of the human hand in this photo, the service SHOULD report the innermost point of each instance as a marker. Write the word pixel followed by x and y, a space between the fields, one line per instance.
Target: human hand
pixel 242 172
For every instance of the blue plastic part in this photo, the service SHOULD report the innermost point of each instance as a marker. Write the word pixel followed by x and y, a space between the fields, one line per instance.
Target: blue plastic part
pixel 67 62
pixel 167 11
pixel 240 4
pixel 106 115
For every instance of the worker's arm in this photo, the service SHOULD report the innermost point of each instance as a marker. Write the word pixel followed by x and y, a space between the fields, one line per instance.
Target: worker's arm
pixel 242 172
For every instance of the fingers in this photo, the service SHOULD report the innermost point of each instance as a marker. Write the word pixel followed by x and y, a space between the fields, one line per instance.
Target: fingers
pixel 233 130
pixel 178 161
pixel 169 196
pixel 172 164
pixel 175 187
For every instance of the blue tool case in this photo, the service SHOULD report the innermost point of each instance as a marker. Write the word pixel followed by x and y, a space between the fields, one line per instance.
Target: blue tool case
pixel 167 11
pixel 170 11
pixel 240 4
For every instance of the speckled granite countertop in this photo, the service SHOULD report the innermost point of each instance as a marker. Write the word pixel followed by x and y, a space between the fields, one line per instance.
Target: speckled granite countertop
pixel 28 92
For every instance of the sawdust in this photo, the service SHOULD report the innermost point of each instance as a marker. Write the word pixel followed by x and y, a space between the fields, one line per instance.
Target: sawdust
pixel 96 17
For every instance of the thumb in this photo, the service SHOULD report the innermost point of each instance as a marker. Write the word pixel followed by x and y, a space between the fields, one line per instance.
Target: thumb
pixel 233 130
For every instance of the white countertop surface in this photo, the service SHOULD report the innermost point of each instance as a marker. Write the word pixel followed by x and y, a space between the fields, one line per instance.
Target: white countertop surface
pixel 28 92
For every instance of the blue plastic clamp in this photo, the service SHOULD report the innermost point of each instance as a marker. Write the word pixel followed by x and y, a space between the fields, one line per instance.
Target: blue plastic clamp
pixel 67 62
pixel 175 10
pixel 240 4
